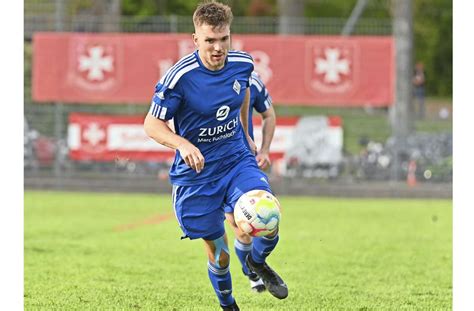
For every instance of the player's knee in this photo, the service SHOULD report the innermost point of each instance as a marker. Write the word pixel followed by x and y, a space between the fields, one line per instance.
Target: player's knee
pixel 273 234
pixel 239 234
pixel 243 237
pixel 224 259
pixel 219 253
pixel 220 261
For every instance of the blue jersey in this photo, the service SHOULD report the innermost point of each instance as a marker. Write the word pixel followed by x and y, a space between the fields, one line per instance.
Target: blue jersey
pixel 205 108
pixel 259 99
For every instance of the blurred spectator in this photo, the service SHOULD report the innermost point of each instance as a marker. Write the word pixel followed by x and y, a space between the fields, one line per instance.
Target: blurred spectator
pixel 419 89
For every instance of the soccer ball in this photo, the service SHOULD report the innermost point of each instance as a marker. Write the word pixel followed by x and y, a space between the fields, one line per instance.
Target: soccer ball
pixel 257 213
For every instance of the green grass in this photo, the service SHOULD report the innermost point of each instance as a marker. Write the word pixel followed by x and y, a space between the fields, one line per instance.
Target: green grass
pixel 334 254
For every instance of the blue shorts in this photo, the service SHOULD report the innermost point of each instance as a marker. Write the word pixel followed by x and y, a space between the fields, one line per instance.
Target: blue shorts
pixel 200 208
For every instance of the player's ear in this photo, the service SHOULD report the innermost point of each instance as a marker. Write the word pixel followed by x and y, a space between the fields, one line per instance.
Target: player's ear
pixel 195 40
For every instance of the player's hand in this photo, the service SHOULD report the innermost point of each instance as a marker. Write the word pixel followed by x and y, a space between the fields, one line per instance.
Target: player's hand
pixel 192 156
pixel 263 160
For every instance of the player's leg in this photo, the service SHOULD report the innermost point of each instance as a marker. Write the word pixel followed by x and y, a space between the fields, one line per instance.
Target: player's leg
pixel 250 177
pixel 243 246
pixel 218 270
pixel 198 217
pixel 263 247
pixel 256 261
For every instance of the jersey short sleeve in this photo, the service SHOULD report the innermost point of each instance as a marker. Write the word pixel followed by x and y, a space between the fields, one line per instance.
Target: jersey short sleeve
pixel 168 94
pixel 263 100
pixel 165 102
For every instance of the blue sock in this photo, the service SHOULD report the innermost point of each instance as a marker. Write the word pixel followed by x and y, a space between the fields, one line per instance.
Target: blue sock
pixel 242 250
pixel 262 247
pixel 222 283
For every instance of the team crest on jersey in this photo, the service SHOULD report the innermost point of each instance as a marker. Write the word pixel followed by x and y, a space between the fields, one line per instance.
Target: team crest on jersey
pixel 236 87
pixel 222 113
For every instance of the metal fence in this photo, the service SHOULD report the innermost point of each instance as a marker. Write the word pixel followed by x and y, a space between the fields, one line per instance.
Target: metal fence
pixel 364 171
pixel 61 15
pixel 183 24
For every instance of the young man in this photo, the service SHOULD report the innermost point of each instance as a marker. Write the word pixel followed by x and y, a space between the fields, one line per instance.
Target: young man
pixel 261 101
pixel 203 93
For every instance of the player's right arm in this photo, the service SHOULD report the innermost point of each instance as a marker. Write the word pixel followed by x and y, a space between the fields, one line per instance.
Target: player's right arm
pixel 160 132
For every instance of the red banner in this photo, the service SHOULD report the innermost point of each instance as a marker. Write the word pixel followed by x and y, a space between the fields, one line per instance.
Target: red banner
pixel 107 138
pixel 298 70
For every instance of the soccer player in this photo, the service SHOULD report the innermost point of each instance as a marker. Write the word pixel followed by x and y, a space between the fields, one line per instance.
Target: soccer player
pixel 261 101
pixel 207 94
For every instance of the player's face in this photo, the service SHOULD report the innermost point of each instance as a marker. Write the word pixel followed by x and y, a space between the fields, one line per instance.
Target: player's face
pixel 213 44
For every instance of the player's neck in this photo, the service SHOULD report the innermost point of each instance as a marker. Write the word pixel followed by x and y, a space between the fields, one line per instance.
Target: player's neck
pixel 209 66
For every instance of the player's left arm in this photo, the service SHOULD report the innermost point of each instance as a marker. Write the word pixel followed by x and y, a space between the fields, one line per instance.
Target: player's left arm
pixel 268 130
pixel 244 119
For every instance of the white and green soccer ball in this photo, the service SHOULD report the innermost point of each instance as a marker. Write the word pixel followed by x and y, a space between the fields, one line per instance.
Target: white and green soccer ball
pixel 257 213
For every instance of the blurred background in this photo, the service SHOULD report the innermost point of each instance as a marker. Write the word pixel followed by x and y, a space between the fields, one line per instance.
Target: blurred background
pixel 369 113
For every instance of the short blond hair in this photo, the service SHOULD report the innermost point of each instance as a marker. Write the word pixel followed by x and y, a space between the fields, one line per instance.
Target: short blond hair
pixel 212 13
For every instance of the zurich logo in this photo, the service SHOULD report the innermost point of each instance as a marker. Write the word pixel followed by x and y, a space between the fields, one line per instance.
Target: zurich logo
pixel 222 113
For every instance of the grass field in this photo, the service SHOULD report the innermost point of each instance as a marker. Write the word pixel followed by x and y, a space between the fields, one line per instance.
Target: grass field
pixel 122 252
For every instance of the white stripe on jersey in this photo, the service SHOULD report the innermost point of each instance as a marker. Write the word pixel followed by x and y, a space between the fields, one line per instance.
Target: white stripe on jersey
pixel 267 104
pixel 163 113
pixel 256 77
pixel 238 53
pixel 240 59
pixel 181 72
pixel 155 108
pixel 177 69
pixel 175 66
pixel 158 111
pixel 257 85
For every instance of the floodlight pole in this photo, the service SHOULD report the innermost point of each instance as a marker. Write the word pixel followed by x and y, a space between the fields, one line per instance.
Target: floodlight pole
pixel 110 11
pixel 59 15
pixel 291 17
pixel 355 15
pixel 58 106
pixel 401 118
